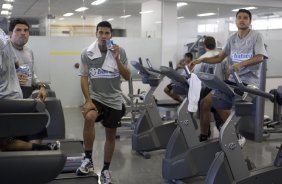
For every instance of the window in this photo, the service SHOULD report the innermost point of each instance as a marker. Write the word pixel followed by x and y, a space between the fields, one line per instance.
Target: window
pixel 207 28
pixel 261 24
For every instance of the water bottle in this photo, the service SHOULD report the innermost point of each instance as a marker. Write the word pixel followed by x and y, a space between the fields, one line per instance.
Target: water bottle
pixel 110 44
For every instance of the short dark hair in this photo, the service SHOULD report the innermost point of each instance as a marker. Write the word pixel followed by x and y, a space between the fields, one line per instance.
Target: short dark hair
pixel 244 11
pixel 16 21
pixel 104 24
pixel 189 55
pixel 209 42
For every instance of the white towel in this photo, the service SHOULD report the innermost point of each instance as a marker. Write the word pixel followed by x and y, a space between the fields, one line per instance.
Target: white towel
pixel 194 93
pixel 94 52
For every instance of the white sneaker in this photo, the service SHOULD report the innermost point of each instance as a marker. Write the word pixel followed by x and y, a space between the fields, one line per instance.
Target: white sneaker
pixel 54 146
pixel 241 140
pixel 105 177
pixel 85 167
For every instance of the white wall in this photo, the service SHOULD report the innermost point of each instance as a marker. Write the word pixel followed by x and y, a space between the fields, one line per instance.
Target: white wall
pixel 169 33
pixel 149 27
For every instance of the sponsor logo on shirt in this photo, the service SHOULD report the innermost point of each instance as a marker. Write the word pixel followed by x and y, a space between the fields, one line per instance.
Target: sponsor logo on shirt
pixel 101 73
pixel 241 56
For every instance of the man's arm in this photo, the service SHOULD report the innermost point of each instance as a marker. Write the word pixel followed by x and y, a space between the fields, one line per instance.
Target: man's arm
pixel 85 87
pixel 210 60
pixel 215 59
pixel 249 62
pixel 123 70
pixel 39 85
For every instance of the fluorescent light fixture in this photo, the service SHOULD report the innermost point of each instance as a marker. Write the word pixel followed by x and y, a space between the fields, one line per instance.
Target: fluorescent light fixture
pixel 81 9
pixel 125 16
pixel 180 4
pixel 7 6
pixel 148 11
pixel 68 14
pixel 110 19
pixel 4 12
pixel 158 22
pixel 9 1
pixel 181 17
pixel 35 25
pixel 247 8
pixel 98 2
pixel 205 14
pixel 62 18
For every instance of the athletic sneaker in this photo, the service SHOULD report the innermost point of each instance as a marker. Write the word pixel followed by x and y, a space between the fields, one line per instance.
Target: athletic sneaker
pixel 85 167
pixel 241 140
pixel 105 177
pixel 203 137
pixel 54 146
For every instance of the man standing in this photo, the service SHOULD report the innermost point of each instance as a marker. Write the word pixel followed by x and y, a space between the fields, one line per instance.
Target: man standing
pixel 101 69
pixel 245 50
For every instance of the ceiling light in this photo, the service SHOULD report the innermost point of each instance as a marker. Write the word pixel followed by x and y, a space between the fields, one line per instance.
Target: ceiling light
pixel 110 19
pixel 68 14
pixel 81 9
pixel 98 2
pixel 62 18
pixel 205 14
pixel 7 6
pixel 148 11
pixel 125 16
pixel 9 1
pixel 180 4
pixel 180 17
pixel 4 12
pixel 246 8
pixel 158 22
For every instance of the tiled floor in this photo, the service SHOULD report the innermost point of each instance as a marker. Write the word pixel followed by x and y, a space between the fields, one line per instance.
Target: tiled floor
pixel 129 168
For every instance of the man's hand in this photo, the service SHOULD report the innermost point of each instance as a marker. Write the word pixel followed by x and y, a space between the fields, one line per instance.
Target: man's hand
pixel 236 67
pixel 115 51
pixel 194 62
pixel 88 106
pixel 42 94
pixel 22 79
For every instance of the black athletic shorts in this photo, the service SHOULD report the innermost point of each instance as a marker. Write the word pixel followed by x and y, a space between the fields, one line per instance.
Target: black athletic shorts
pixel 109 117
pixel 204 92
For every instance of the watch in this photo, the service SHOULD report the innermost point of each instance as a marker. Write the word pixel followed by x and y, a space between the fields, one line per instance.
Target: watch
pixel 42 85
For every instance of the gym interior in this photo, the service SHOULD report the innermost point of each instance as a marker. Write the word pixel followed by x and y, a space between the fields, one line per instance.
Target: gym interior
pixel 157 140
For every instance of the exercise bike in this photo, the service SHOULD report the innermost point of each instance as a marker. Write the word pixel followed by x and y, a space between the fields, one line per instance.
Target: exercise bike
pixel 229 165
